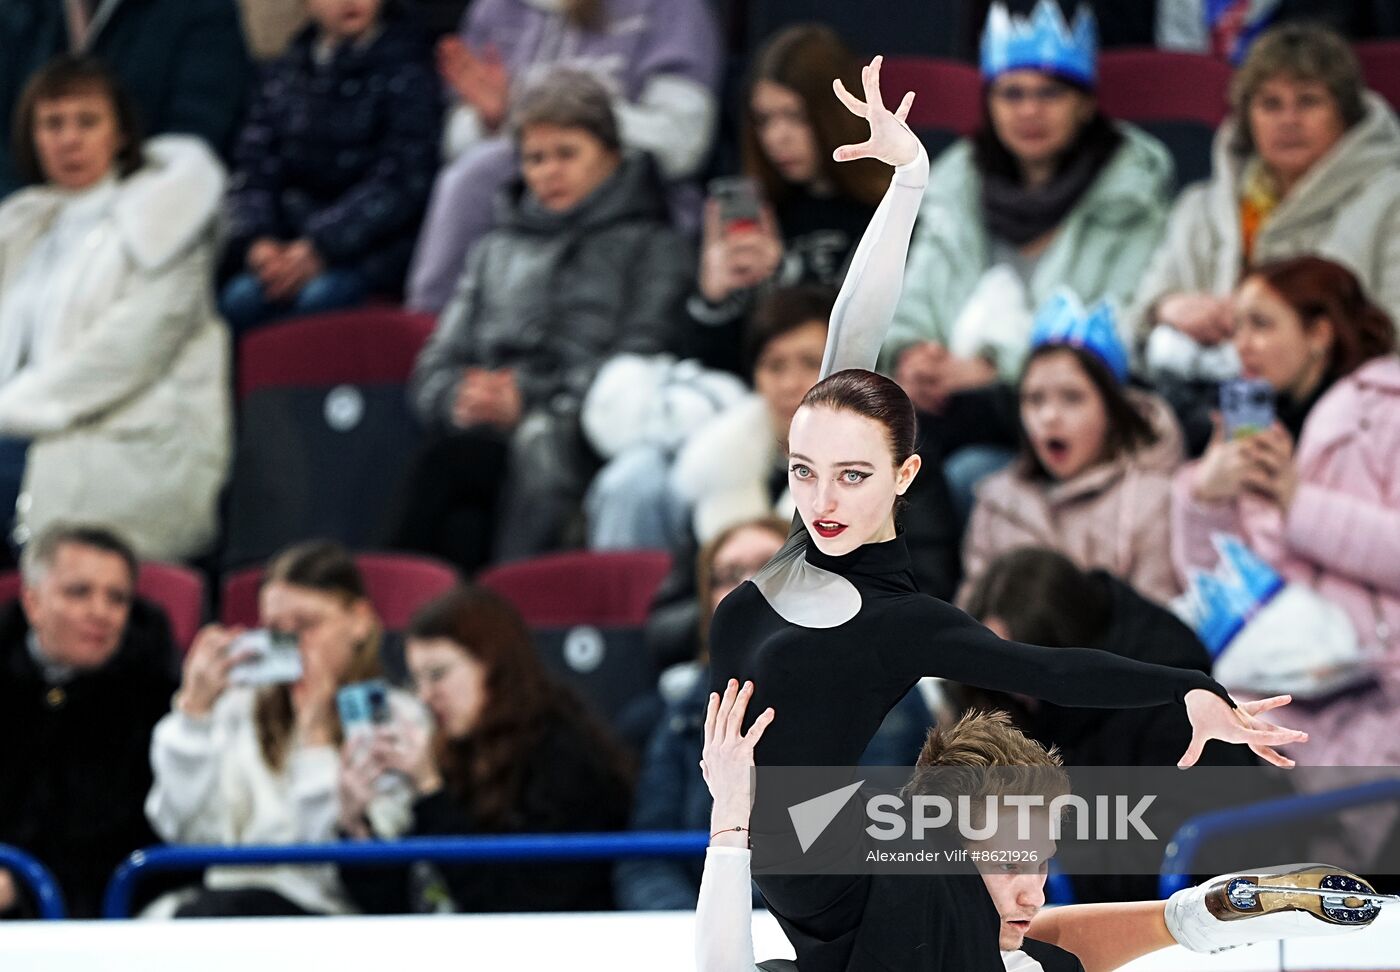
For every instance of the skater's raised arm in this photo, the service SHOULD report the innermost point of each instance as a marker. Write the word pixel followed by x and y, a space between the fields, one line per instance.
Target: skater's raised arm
pixel 866 303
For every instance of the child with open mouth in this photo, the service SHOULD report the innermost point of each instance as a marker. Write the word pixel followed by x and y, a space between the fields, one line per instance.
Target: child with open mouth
pixel 1093 480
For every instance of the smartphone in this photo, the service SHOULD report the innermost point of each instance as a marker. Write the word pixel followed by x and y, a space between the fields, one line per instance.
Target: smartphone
pixel 363 706
pixel 1246 406
pixel 738 201
pixel 273 658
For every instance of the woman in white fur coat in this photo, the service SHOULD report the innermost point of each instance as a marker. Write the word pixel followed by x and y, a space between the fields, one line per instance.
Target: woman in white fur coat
pixel 113 364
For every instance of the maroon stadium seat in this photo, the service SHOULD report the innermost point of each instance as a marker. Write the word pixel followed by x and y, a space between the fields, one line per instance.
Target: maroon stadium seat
pixel 587 611
pixel 369 345
pixel 1380 66
pixel 180 591
pixel 581 587
pixel 1181 98
pixel 9 586
pixel 397 584
pixel 1151 85
pixel 324 430
pixel 949 102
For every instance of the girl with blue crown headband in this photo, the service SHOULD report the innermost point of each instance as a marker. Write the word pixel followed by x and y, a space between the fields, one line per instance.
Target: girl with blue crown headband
pixel 1092 480
pixel 1047 192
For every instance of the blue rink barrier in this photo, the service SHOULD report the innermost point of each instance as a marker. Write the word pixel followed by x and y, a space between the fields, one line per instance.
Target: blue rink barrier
pixel 1059 889
pixel 38 878
pixel 116 903
pixel 1186 843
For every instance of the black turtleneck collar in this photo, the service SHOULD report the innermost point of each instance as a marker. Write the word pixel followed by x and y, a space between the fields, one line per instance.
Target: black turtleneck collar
pixel 869 559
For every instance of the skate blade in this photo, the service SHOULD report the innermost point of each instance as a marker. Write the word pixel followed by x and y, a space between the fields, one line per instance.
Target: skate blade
pixel 1329 894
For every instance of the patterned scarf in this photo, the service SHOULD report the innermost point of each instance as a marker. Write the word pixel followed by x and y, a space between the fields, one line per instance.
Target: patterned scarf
pixel 1259 197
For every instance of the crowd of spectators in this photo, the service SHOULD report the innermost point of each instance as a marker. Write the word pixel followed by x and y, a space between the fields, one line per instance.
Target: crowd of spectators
pixel 183 172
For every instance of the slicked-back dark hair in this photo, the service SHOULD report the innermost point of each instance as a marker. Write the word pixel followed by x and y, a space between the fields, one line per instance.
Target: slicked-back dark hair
pixel 875 397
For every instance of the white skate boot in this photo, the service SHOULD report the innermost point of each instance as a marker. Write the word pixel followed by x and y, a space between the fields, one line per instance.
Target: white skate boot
pixel 1271 903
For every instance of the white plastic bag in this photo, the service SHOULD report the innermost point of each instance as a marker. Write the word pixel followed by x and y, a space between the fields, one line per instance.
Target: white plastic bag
pixel 1300 644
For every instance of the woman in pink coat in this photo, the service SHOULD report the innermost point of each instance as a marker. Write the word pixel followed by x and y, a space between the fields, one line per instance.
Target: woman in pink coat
pixel 1326 513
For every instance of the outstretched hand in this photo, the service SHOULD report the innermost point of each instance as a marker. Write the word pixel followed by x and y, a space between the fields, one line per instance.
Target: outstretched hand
pixel 890 139
pixel 727 759
pixel 1212 718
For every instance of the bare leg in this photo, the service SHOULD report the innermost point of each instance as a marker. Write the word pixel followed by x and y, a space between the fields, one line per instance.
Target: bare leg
pixel 1104 936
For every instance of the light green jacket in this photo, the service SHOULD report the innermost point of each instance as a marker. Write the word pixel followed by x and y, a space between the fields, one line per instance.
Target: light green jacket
pixel 1100 250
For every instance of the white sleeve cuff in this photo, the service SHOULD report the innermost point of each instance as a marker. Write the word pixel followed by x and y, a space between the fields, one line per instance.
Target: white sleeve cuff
pixel 913 173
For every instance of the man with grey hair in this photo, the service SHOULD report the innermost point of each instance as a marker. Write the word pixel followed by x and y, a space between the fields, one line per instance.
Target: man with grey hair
pixel 86 670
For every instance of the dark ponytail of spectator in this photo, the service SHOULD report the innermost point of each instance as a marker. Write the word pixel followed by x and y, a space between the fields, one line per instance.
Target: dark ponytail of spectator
pixel 1042 598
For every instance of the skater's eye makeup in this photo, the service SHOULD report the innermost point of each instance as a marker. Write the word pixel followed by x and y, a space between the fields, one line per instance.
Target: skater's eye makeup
pixel 850 476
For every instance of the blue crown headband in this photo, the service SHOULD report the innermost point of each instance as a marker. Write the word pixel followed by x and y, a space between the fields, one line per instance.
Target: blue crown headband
pixel 1227 598
pixel 1041 42
pixel 1062 319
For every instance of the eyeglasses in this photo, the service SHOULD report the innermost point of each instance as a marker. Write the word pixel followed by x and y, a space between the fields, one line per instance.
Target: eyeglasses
pixel 1016 94
pixel 431 676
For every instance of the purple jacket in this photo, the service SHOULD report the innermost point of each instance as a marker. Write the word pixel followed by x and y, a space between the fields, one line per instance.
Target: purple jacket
pixel 660 58
pixel 642 38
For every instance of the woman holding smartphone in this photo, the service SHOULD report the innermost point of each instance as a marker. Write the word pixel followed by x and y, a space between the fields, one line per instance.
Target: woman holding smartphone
pixel 243 763
pixel 794 215
pixel 1318 493
pixel 513 751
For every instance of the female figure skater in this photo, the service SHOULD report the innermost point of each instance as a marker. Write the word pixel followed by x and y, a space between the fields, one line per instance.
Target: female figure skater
pixel 833 628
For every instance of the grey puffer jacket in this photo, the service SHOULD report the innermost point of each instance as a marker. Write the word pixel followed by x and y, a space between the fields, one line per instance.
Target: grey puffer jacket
pixel 553 295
